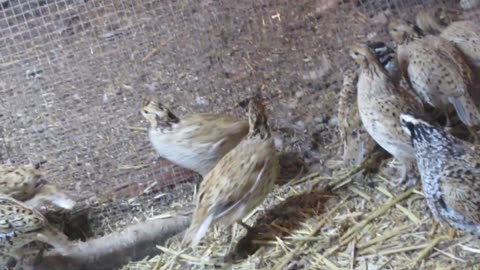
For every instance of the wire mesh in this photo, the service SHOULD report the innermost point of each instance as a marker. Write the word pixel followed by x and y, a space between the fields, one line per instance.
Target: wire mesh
pixel 74 73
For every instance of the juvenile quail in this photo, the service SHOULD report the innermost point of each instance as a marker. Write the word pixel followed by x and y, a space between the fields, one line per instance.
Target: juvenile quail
pixel 19 182
pixel 380 102
pixel 20 225
pixel 450 172
pixel 357 143
pixel 196 142
pixel 240 181
pixel 465 35
pixel 437 71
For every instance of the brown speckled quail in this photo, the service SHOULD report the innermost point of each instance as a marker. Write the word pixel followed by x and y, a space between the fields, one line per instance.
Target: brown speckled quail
pixel 380 102
pixel 357 143
pixel 465 35
pixel 196 142
pixel 450 172
pixel 20 182
pixel 20 225
pixel 437 72
pixel 240 181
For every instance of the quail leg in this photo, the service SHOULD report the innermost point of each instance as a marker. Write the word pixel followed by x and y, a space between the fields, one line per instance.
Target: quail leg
pixel 473 132
pixel 406 176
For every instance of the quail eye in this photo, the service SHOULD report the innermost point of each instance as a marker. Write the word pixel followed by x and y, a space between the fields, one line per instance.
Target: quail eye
pixel 145 111
pixel 355 53
pixel 410 126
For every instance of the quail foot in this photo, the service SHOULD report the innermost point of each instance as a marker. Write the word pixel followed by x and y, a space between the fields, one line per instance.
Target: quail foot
pixel 20 225
pixel 380 102
pixel 437 71
pixel 195 142
pixel 450 172
pixel 240 181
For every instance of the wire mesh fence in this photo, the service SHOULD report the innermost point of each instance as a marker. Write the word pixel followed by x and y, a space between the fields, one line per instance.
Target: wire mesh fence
pixel 74 74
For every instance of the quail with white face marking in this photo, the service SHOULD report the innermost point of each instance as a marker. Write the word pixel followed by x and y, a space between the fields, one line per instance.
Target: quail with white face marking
pixel 240 181
pixel 450 172
pixel 195 142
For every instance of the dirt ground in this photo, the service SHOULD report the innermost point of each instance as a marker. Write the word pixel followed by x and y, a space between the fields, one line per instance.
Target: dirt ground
pixel 74 73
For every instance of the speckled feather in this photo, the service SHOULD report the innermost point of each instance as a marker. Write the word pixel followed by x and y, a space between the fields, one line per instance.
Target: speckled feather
pixel 437 71
pixel 19 182
pixel 380 102
pixel 357 143
pixel 196 142
pixel 239 182
pixel 20 225
pixel 465 35
pixel 450 171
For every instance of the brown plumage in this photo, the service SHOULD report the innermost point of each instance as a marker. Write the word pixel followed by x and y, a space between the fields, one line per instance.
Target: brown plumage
pixel 380 102
pixel 19 182
pixel 465 35
pixel 357 143
pixel 437 71
pixel 196 142
pixel 240 181
pixel 20 225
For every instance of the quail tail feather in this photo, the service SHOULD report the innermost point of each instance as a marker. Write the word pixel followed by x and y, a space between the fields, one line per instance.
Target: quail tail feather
pixel 466 110
pixel 197 231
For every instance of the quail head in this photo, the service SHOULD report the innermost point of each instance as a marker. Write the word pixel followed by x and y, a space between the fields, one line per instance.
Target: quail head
pixel 465 35
pixel 20 225
pixel 196 142
pixel 380 102
pixel 450 172
pixel 437 71
pixel 240 181
pixel 387 58
pixel 19 182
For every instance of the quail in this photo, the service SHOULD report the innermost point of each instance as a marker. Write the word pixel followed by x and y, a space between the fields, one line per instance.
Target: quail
pixel 240 181
pixel 450 172
pixel 437 72
pixel 20 182
pixel 195 142
pixel 380 102
pixel 20 225
pixel 465 35
pixel 357 143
